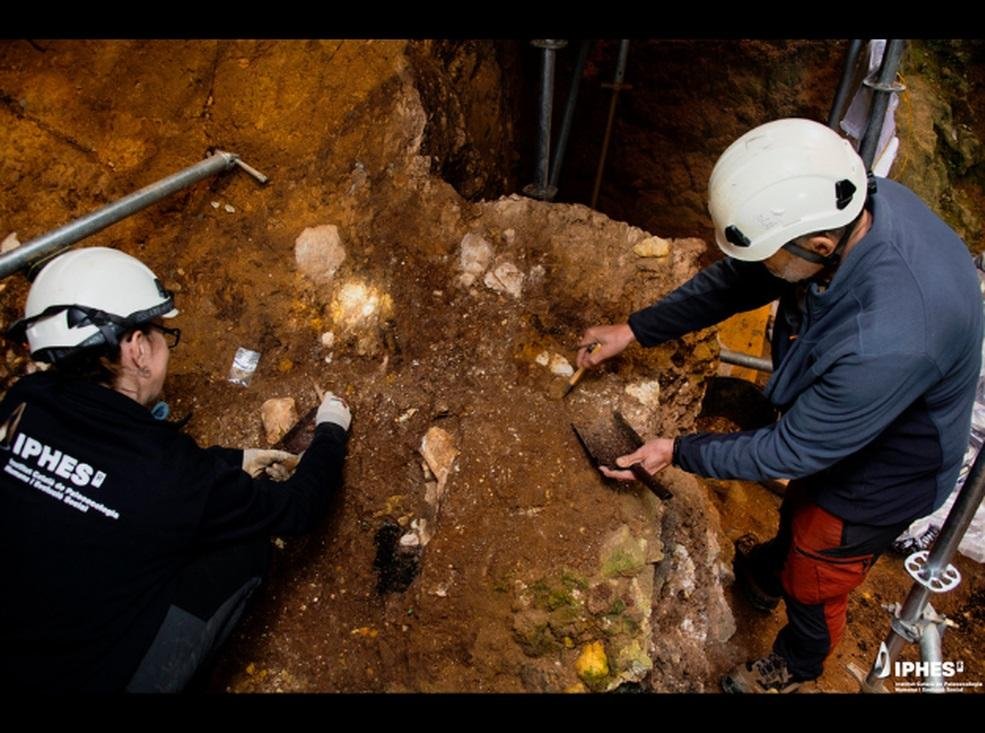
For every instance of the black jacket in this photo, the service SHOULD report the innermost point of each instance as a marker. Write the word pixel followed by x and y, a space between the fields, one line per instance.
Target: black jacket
pixel 101 506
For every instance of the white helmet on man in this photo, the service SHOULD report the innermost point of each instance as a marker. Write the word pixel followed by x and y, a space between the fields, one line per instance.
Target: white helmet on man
pixel 780 181
pixel 89 297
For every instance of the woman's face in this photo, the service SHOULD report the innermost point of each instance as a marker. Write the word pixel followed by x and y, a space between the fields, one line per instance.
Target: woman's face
pixel 160 354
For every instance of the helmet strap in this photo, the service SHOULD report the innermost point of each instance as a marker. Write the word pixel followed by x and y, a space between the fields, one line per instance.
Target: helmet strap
pixel 110 332
pixel 829 261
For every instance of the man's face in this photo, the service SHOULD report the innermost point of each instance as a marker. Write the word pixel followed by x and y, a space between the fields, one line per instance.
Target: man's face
pixel 791 268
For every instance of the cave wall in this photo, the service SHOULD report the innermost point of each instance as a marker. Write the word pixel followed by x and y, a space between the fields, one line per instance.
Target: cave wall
pixel 689 99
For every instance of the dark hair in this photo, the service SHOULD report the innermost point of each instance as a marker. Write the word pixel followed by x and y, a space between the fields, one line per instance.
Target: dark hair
pixel 99 364
pixel 838 232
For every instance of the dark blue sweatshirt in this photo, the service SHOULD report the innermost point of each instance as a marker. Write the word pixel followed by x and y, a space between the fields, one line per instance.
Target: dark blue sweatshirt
pixel 874 377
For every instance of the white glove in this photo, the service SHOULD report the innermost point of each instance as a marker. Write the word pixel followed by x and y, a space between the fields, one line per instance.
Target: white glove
pixel 278 464
pixel 333 409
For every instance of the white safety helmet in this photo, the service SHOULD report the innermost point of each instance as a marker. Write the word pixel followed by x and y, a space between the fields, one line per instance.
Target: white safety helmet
pixel 89 297
pixel 780 181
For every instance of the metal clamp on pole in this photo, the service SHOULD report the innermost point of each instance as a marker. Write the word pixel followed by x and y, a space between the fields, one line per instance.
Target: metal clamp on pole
pixel 261 179
pixel 908 631
pixel 67 235
pixel 941 581
pixel 895 86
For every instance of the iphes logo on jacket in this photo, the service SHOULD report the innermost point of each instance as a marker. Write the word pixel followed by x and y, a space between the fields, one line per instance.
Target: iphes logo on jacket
pixel 51 471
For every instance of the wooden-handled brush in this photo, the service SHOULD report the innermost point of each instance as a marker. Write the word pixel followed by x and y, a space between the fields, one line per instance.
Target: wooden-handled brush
pixel 577 375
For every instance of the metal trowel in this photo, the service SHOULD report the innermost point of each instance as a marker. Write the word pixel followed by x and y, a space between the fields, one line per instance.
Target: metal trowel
pixel 605 440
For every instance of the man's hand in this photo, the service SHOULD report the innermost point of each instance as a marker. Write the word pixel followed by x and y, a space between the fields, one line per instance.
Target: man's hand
pixel 611 340
pixel 277 464
pixel 654 455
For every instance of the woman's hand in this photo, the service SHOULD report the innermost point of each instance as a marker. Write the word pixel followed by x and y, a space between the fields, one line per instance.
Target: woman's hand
pixel 277 464
pixel 333 409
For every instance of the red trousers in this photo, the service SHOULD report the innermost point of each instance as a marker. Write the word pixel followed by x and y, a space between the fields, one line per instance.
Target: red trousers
pixel 814 562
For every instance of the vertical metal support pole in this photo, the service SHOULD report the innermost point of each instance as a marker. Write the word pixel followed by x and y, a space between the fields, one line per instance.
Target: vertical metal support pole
pixel 569 113
pixel 930 652
pixel 882 88
pixel 851 58
pixel 541 188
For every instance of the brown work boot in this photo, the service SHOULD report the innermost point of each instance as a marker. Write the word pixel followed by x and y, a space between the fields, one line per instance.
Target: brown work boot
pixel 769 674
pixel 745 579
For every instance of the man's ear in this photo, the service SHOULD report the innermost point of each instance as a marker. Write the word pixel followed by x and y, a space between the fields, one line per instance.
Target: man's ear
pixel 822 244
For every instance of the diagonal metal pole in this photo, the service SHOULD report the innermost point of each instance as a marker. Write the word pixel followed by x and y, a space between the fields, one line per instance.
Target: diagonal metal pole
pixel 617 86
pixel 64 236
